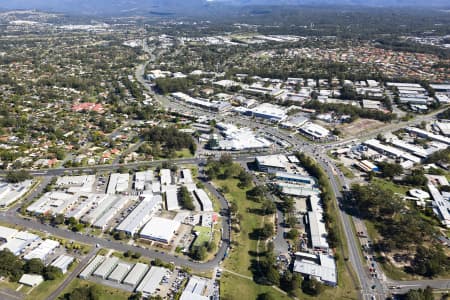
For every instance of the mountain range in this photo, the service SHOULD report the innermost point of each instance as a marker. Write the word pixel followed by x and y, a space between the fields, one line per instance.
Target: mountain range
pixel 126 6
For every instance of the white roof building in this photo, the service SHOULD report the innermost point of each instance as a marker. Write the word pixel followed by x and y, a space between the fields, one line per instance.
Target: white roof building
pixel 424 133
pixel 324 270
pixel 10 193
pixel 314 130
pixel 91 266
pixel 63 262
pixel 377 145
pixel 76 184
pixel 135 275
pixel 141 214
pixel 119 272
pixel 198 288
pixel 160 229
pixel 53 203
pixel 204 200
pixel 151 281
pixel 440 205
pixel 106 267
pixel 7 233
pixel 272 163
pixel 43 250
pixel 318 231
pixel 118 183
pixel 143 179
pixel 166 177
pixel 172 199
pixel 186 176
pixel 31 280
pixel 269 111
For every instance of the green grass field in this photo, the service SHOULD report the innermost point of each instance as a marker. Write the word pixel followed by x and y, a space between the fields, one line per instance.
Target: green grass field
pixel 399 189
pixel 107 293
pixel 43 290
pixel 239 257
pixel 204 235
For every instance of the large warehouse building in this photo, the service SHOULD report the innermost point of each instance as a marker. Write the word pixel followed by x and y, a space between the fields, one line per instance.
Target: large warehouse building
pixel 160 229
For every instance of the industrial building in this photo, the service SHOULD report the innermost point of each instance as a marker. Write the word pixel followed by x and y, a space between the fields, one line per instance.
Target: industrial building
pixel 294 178
pixel 391 151
pixel 31 280
pixel 11 192
pixel 198 288
pixel 322 267
pixel 314 131
pixel 106 267
pixel 143 180
pixel 151 281
pixel 136 274
pixel 203 199
pixel 43 250
pixel 317 231
pixel 141 214
pixel 426 134
pixel 237 139
pixel 118 183
pixel 52 203
pixel 218 106
pixel 172 199
pixel 92 266
pixel 367 166
pixel 186 176
pixel 441 206
pixel 269 111
pixel 165 177
pixel 77 184
pixel 119 272
pixel 63 263
pixel 160 229
pixel 272 163
pixel 16 241
pixel 110 212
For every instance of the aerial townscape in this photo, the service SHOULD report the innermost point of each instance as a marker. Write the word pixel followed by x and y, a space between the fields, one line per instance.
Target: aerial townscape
pixel 224 149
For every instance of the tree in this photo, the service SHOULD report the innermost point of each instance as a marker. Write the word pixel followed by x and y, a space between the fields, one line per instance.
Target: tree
pixel 245 179
pixel 268 207
pixel 17 176
pixel 120 235
pixel 34 266
pixel 266 296
pixel 266 231
pixel 10 265
pixel 389 170
pixel 198 252
pixel 185 199
pixel 52 273
pixel 292 234
pixel 312 287
pixel 135 296
pixel 58 219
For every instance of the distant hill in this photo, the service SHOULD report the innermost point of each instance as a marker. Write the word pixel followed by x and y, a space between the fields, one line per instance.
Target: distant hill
pixel 96 7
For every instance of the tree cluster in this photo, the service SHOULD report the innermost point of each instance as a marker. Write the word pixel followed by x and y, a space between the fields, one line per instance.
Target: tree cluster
pixel 354 111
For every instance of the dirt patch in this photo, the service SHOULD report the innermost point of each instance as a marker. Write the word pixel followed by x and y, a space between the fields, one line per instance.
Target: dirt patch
pixel 359 126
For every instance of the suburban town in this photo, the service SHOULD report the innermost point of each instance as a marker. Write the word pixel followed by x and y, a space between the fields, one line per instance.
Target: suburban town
pixel 183 157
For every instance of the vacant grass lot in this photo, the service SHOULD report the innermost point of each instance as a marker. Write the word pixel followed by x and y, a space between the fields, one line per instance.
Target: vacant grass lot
pixel 107 293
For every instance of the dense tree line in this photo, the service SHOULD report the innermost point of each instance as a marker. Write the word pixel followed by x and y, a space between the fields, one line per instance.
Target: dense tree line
pixel 401 229
pixel 171 85
pixel 12 267
pixel 326 195
pixel 185 199
pixel 170 138
pixel 354 111
pixel 17 176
